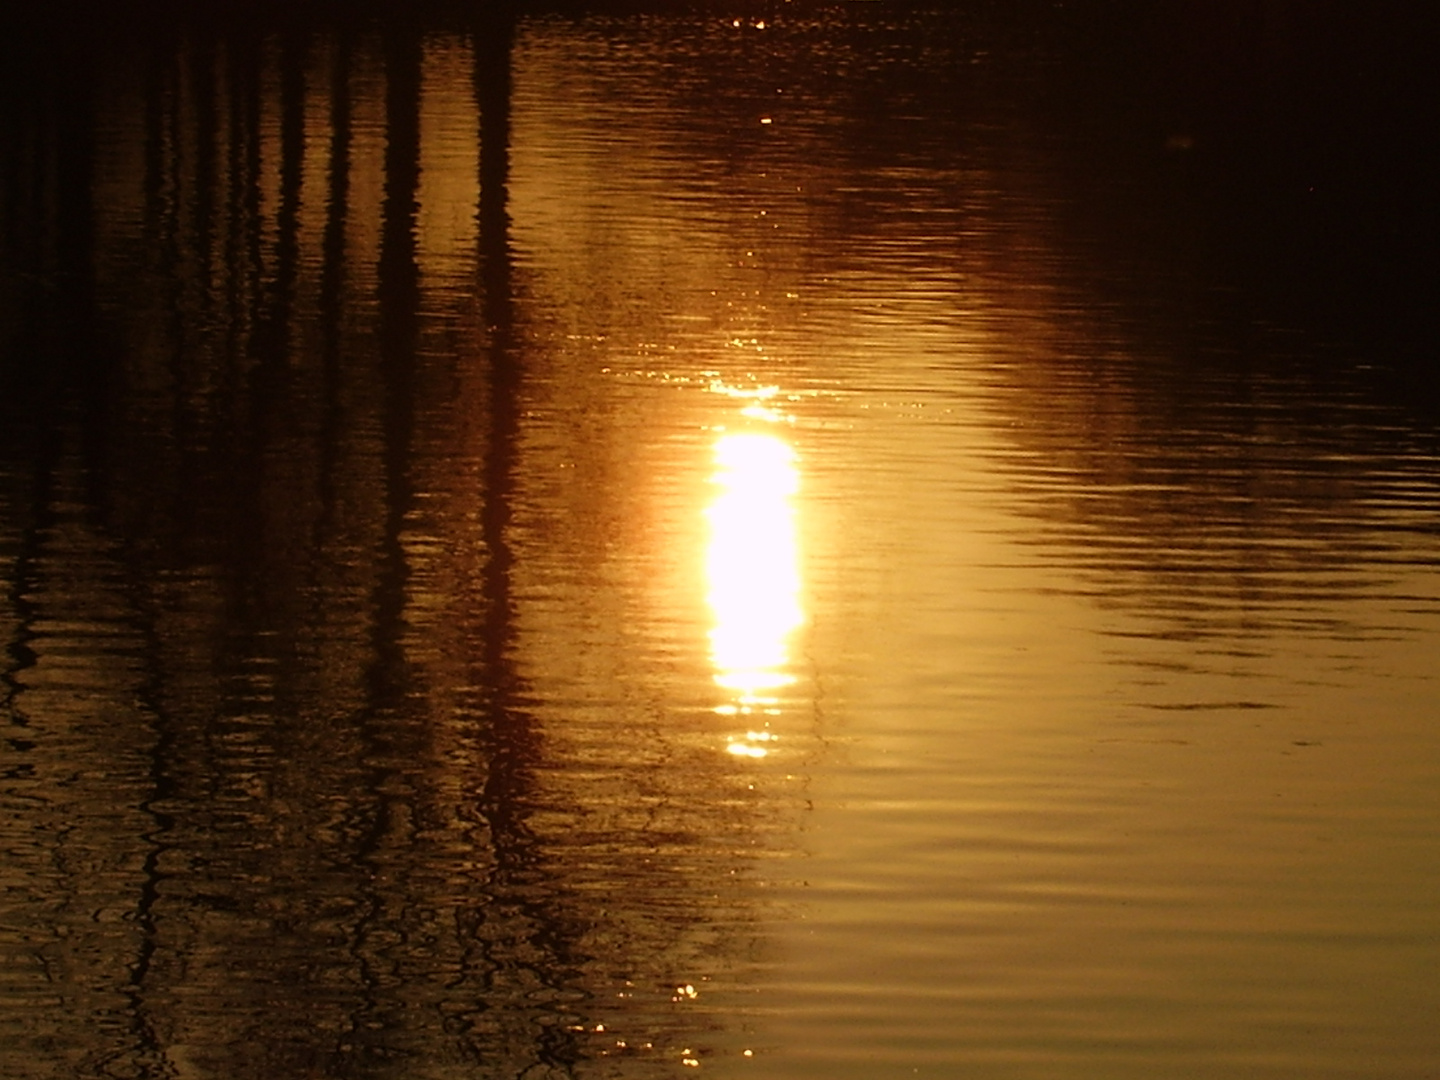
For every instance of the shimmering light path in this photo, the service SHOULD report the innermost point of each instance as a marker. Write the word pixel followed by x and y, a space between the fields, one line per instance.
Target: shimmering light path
pixel 753 575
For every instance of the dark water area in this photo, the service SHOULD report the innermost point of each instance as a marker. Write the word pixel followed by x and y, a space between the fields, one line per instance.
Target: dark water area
pixel 845 540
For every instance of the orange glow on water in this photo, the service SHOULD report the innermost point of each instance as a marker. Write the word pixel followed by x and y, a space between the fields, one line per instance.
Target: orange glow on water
pixel 752 567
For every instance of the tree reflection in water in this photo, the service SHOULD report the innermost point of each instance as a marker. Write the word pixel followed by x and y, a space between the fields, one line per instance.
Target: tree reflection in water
pixel 283 563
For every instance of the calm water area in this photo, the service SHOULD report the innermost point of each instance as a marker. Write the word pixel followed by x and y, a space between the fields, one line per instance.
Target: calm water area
pixel 810 540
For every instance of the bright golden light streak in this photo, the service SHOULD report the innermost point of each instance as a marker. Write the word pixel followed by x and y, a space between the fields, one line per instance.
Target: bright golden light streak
pixel 753 571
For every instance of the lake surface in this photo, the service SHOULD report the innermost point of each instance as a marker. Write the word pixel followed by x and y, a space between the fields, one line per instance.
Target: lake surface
pixel 842 541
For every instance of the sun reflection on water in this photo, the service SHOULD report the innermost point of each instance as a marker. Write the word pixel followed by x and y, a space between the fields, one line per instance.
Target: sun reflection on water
pixel 753 576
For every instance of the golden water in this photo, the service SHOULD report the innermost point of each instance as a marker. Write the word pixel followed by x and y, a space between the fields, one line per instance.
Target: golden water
pixel 709 551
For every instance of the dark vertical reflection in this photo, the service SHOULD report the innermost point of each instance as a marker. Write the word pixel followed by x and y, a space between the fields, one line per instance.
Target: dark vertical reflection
pixel 207 68
pixel 74 220
pixel 276 342
pixel 389 729
pixel 332 281
pixel 48 346
pixel 399 299
pixel 73 884
pixel 511 743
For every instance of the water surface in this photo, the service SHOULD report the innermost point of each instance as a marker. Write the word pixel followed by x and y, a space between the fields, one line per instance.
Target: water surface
pixel 833 542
